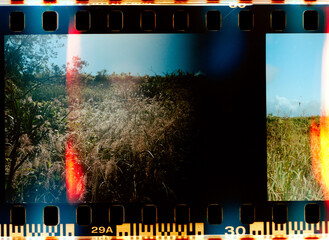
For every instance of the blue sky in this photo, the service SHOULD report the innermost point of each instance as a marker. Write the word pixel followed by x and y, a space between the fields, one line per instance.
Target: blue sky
pixel 293 74
pixel 135 53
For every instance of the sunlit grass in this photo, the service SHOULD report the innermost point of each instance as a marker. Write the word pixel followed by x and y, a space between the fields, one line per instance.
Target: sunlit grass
pixel 132 138
pixel 289 161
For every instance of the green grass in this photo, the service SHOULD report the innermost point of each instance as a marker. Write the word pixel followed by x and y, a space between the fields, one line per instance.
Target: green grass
pixel 289 162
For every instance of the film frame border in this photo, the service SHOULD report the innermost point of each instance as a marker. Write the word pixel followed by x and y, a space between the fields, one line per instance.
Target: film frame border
pixel 311 20
pixel 320 29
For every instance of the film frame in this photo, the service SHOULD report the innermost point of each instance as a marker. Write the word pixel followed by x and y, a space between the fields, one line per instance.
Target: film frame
pixel 236 207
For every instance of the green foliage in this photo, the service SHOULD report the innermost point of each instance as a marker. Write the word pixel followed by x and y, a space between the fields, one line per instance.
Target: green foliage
pixel 102 78
pixel 173 86
pixel 28 55
pixel 289 161
pixel 48 92
pixel 28 127
pixel 32 117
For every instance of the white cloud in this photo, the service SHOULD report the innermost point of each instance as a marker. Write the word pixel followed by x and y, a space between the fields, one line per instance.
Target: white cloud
pixel 284 107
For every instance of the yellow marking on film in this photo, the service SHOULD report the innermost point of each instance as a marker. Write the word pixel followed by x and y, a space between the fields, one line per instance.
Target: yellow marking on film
pixel 257 228
pixel 267 226
pixel 42 231
pixel 309 228
pixel 33 228
pixel 16 232
pixel 123 230
pixel 294 229
pixel 32 233
pixel 291 228
pixel 170 230
pixel 145 233
pixel 173 232
pixel 185 227
pixel 318 225
pixel 69 229
pixel 279 229
pixel 199 229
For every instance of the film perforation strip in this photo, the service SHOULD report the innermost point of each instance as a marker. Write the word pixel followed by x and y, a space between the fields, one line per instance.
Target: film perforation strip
pixel 180 21
pixel 164 2
pixel 149 216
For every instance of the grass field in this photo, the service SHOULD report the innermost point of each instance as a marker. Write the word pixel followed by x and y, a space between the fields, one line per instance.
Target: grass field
pixel 289 162
pixel 132 137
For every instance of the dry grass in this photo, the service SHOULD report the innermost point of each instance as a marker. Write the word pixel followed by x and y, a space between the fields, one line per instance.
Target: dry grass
pixel 131 146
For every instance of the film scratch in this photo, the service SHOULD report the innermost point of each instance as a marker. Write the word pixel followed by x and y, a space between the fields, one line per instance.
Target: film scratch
pixel 176 121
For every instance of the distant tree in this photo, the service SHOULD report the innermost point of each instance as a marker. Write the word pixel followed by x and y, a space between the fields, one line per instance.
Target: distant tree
pixel 28 55
pixel 74 74
pixel 102 77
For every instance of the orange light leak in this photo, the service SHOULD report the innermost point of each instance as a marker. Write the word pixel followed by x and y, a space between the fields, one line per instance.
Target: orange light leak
pixel 75 184
pixel 320 133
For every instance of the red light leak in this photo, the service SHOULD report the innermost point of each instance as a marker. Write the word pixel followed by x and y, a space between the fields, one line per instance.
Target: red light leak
pixel 278 1
pixel 72 30
pixel 74 173
pixel 327 20
pixel 17 2
pixel 115 1
pixel 309 2
pixel 51 238
pixel 75 182
pixel 320 132
pixel 18 238
pixel 315 142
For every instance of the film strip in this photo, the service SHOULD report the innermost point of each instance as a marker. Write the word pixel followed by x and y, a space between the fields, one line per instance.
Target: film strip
pixel 164 120
pixel 161 2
